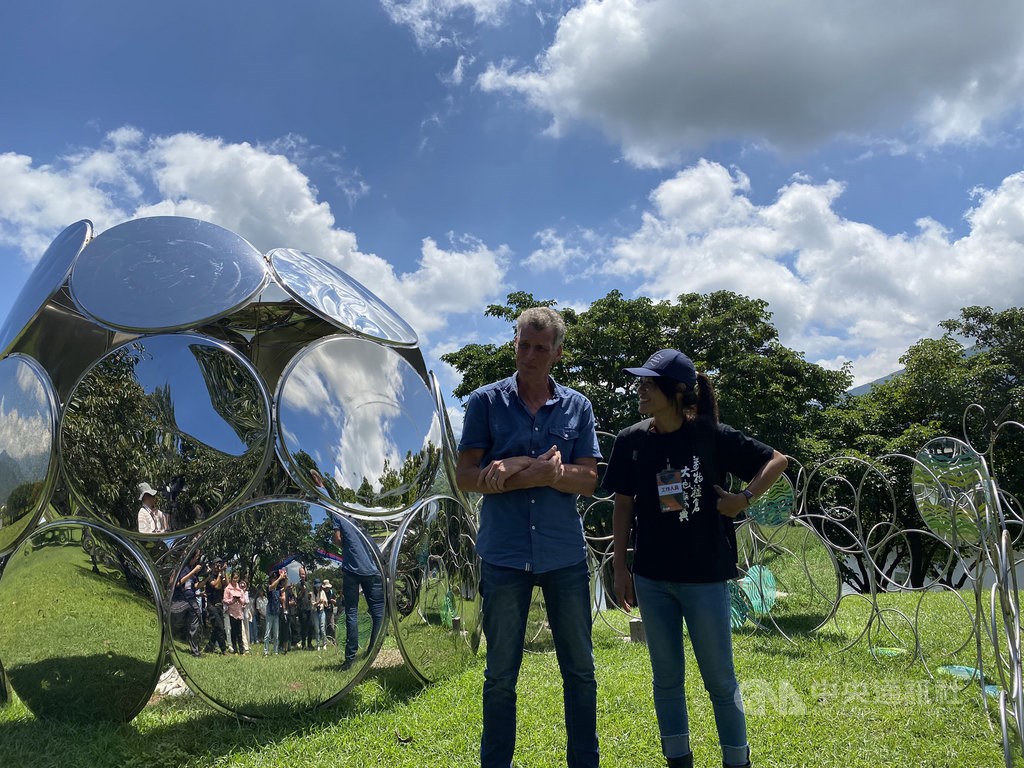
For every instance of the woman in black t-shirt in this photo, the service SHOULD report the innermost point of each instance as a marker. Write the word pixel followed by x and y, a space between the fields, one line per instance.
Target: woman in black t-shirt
pixel 668 474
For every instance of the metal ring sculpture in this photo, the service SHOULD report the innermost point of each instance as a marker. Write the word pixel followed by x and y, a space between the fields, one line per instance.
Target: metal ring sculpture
pixel 285 421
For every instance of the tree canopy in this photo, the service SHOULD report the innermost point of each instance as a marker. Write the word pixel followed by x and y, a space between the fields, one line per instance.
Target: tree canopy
pixel 764 388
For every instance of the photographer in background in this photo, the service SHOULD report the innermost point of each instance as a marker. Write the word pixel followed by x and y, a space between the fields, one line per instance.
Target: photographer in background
pixel 215 584
pixel 186 615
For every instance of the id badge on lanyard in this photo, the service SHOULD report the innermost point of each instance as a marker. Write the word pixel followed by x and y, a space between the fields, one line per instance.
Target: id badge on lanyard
pixel 670 489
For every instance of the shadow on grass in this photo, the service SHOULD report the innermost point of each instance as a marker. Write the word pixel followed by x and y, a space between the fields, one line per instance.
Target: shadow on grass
pixel 175 731
pixel 108 687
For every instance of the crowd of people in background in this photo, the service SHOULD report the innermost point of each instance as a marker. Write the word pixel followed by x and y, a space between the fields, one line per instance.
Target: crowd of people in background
pixel 216 603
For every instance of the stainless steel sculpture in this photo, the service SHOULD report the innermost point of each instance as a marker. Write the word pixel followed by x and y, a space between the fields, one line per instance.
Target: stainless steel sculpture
pixel 170 397
pixel 277 408
pixel 91 647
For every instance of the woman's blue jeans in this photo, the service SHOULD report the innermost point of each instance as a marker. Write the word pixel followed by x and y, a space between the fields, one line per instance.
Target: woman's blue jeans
pixel 507 594
pixel 664 605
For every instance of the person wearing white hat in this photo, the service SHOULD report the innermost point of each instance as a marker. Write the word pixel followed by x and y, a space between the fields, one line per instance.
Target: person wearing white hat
pixel 150 518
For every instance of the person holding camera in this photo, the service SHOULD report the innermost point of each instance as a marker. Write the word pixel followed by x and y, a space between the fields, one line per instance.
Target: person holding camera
pixel 273 630
pixel 235 601
pixel 215 584
pixel 186 615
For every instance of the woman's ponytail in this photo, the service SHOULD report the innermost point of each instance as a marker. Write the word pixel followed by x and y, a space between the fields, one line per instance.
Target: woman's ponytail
pixel 707 403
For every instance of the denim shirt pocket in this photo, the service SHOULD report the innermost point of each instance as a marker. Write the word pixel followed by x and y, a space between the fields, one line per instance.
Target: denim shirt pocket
pixel 564 436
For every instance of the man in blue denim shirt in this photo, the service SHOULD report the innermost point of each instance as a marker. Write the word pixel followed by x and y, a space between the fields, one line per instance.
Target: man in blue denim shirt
pixel 530 446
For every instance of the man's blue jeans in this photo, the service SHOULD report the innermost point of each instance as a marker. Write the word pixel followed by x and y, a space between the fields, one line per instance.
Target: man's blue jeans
pixel 373 592
pixel 507 594
pixel 705 607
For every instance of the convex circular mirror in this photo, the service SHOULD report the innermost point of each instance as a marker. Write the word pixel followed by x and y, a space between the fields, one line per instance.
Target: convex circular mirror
pixel 165 273
pixel 952 490
pixel 46 279
pixel 338 298
pixel 435 588
pixel 358 426
pixel 81 635
pixel 165 432
pixel 317 579
pixel 28 431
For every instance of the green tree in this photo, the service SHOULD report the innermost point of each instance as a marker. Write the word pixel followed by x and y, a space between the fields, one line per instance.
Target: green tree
pixel 764 388
pixel 928 399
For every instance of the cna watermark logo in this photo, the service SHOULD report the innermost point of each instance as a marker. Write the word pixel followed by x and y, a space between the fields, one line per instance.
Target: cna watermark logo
pixel 783 698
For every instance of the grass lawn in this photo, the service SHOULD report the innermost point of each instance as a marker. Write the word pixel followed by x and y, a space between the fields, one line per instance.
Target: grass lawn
pixel 809 704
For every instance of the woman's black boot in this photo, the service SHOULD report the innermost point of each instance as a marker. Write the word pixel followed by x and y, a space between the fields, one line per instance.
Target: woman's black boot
pixel 686 761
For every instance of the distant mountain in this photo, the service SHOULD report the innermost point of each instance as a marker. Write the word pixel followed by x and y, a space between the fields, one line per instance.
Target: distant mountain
pixel 11 475
pixel 863 389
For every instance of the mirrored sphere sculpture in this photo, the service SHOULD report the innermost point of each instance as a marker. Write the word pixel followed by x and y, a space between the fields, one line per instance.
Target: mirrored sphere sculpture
pixel 357 426
pixel 81 635
pixel 28 429
pixel 136 412
pixel 313 564
pixel 165 273
pixel 182 413
pixel 46 280
pixel 338 298
pixel 435 588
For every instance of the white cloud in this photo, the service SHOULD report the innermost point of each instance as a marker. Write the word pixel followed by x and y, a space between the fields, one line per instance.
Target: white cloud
pixel 665 77
pixel 559 252
pixel 38 202
pixel 430 20
pixel 832 284
pixel 458 73
pixel 262 195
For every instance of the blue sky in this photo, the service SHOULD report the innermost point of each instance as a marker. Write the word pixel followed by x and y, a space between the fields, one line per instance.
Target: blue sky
pixel 859 165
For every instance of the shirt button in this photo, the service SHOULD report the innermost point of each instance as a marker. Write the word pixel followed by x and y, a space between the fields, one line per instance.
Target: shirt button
pixel 533 527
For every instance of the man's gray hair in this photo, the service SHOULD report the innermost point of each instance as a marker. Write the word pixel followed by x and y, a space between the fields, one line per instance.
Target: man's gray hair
pixel 542 318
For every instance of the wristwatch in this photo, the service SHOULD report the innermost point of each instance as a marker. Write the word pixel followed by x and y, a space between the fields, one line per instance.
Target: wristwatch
pixel 749 496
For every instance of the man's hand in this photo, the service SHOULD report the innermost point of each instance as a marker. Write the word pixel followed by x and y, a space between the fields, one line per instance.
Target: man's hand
pixel 493 476
pixel 548 466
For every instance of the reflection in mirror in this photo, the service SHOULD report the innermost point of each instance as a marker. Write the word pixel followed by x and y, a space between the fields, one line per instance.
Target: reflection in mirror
pixel 951 489
pixel 5 693
pixel 165 432
pixel 313 580
pixel 46 279
pixel 165 273
pixel 357 425
pixel 338 298
pixel 28 427
pixel 775 505
pixel 435 588
pixel 274 347
pixel 81 636
pixel 449 448
pixel 82 342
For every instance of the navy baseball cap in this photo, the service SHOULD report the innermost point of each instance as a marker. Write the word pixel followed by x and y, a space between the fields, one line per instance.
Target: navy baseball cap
pixel 670 363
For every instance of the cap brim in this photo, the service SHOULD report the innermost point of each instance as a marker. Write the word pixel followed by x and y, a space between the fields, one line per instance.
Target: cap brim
pixel 642 372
